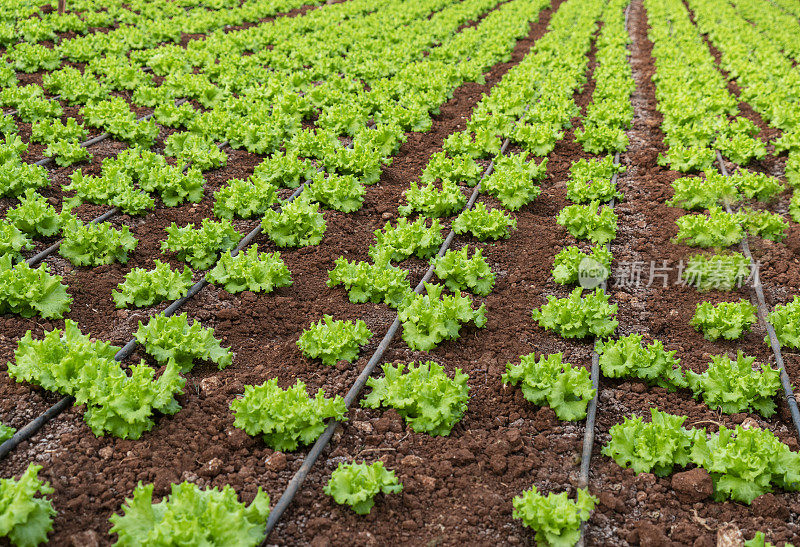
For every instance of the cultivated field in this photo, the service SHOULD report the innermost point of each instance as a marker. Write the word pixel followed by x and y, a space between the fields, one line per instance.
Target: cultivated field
pixel 374 272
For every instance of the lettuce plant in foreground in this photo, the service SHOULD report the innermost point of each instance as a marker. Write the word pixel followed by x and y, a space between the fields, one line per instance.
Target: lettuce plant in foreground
pixel 339 192
pixel 31 291
pixel 720 272
pixel 746 463
pixel 244 198
pixel 96 244
pixel 728 320
pixel 200 246
pixel 13 241
pixel 24 518
pixel 785 318
pixel 577 317
pixel 657 446
pixel 431 318
pixel 147 287
pixel 6 432
pixel 431 201
pixel 34 215
pixel 733 386
pixel 555 518
pixel 429 400
pixel 550 381
pixel 459 271
pixel 366 282
pixel 298 224
pixel 118 401
pixel 334 341
pixel 484 224
pixel 285 418
pixel 587 222
pixel 357 484
pixel 627 357
pixel 716 229
pixel 397 243
pixel 250 271
pixel 571 265
pixel 190 515
pixel 172 337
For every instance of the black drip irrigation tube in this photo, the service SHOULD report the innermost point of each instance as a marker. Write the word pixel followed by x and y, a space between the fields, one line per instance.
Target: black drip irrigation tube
pixel 322 442
pixel 35 425
pixel 763 311
pixel 591 411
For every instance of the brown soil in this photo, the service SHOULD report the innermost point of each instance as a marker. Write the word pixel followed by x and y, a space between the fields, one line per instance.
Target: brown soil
pixel 457 489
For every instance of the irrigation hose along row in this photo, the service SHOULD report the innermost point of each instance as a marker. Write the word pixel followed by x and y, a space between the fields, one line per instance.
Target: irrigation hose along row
pixel 591 411
pixel 31 428
pixel 322 442
pixel 761 306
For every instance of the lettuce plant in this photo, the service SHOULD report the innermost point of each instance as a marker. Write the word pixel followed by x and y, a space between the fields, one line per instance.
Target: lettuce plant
pixel 457 168
pixel 591 180
pixel 459 271
pixel 763 224
pixel 95 244
pixel 116 402
pixel 429 400
pixel 298 224
pixel 31 291
pixel 244 198
pixel 572 265
pixel 147 287
pixel 728 320
pixel 397 243
pixel 555 518
pixel 431 318
pixel 357 484
pixel 200 246
pixel 16 176
pixel 512 181
pixel 746 463
pixel 734 386
pixel 13 241
pixel 173 338
pixel 585 222
pixel 34 215
pixel 716 229
pixel 485 224
pixel 195 149
pixel 785 318
pixel 366 282
pixel 627 357
pixel 334 341
pixel 693 193
pixel 657 446
pixel 343 193
pixel 578 317
pixel 250 271
pixel 552 382
pixel 431 201
pixel 191 515
pixel 24 518
pixel 721 272
pixel 285 418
